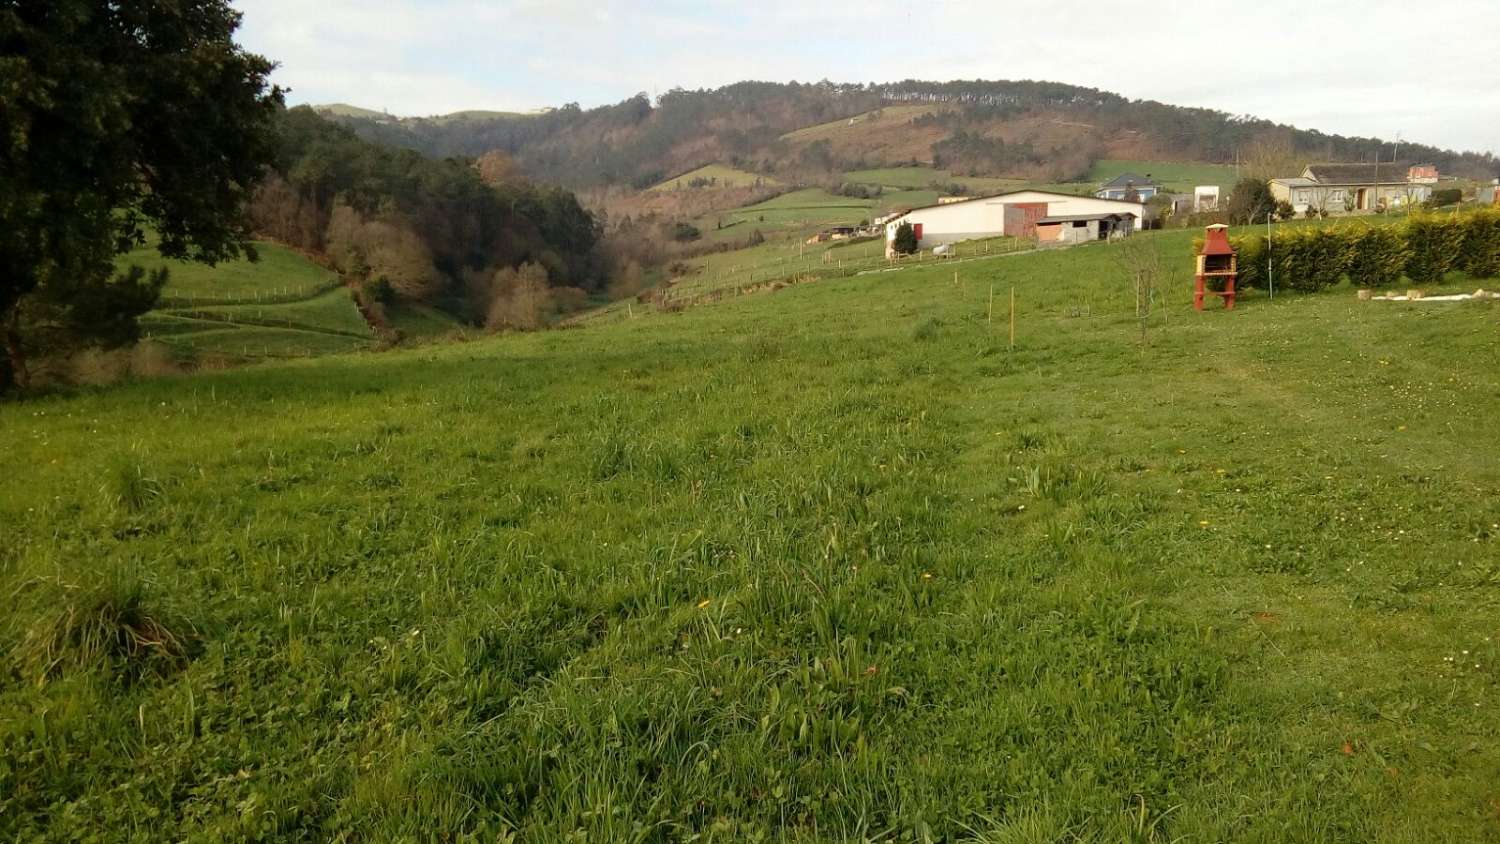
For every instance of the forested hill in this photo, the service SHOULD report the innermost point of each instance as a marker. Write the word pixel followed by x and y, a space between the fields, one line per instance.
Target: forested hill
pixel 1023 129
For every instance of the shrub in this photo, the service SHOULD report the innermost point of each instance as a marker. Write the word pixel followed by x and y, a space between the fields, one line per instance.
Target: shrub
pixel 1251 201
pixel 1309 259
pixel 906 239
pixel 685 232
pixel 1480 253
pixel 1434 242
pixel 1446 196
pixel 1377 256
pixel 1252 261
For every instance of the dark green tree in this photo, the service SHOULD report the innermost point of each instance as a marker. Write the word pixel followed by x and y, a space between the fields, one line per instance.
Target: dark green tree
pixel 1250 202
pixel 119 119
pixel 906 239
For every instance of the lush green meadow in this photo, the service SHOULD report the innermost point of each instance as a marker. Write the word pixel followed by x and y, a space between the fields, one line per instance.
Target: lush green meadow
pixel 833 563
pixel 279 274
pixel 722 175
pixel 279 306
pixel 1178 177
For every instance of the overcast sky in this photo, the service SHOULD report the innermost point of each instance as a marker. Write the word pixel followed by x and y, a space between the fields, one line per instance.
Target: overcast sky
pixel 1364 67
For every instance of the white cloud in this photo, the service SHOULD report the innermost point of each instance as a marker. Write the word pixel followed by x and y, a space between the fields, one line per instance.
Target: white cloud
pixel 1342 66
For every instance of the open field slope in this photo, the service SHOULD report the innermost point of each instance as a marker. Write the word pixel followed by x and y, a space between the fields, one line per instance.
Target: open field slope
pixel 1178 177
pixel 282 305
pixel 828 564
pixel 280 274
pixel 721 176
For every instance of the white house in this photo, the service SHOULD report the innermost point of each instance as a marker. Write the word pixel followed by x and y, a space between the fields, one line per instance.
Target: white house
pixel 1120 187
pixel 1049 217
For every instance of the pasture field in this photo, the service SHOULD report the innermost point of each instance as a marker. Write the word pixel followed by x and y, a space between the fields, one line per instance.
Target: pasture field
pixel 281 274
pixel 889 115
pixel 919 178
pixel 1178 177
pixel 281 306
pixel 725 176
pixel 834 563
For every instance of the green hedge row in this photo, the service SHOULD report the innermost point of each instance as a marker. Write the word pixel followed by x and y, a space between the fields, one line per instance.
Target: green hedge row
pixel 1424 248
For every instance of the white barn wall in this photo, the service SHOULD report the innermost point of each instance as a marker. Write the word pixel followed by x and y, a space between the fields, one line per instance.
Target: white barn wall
pixel 985 217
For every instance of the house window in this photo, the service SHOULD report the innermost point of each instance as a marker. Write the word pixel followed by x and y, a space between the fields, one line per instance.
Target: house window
pixel 1080 224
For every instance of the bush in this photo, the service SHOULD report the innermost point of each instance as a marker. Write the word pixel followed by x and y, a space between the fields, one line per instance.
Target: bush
pixel 1480 254
pixel 1309 259
pixel 1446 196
pixel 1435 243
pixel 1377 256
pixel 685 232
pixel 1251 202
pixel 906 239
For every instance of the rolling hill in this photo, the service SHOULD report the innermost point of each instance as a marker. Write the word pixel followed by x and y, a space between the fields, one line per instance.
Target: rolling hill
pixel 834 562
pixel 1036 131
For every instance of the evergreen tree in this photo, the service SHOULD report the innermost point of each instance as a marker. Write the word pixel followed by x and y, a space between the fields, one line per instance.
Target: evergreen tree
pixel 906 239
pixel 119 119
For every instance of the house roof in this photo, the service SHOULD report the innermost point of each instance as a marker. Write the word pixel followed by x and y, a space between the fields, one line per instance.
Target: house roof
pixel 1080 218
pixel 1385 173
pixel 1298 182
pixel 1057 194
pixel 1128 180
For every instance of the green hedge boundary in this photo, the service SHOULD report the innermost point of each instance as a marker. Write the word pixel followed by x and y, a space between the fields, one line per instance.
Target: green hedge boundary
pixel 1423 248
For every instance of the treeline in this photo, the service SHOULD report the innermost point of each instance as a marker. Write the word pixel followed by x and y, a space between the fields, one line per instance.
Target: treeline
pixel 423 229
pixel 638 142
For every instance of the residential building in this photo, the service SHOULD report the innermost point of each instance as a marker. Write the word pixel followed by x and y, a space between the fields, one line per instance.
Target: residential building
pixel 1423 174
pixel 1120 187
pixel 1023 213
pixel 1351 188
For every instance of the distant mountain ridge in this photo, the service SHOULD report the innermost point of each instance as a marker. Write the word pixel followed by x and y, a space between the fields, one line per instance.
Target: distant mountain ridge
pixel 1021 129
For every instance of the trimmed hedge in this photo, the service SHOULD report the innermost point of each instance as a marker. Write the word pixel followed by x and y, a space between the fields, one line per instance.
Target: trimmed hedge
pixel 1424 248
pixel 1480 256
pixel 1377 256
pixel 1435 242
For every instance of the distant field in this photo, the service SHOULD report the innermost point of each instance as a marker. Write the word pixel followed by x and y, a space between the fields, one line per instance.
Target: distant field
pixel 724 176
pixel 838 562
pixel 1178 177
pixel 889 114
pixel 283 305
pixel 420 321
pixel 923 177
pixel 802 208
pixel 280 273
pixel 333 312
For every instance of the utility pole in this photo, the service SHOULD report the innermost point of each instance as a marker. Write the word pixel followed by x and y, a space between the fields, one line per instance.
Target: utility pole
pixel 1270 267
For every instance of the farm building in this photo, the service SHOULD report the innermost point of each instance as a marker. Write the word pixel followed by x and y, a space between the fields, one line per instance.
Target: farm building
pixel 1120 187
pixel 1019 214
pixel 1353 188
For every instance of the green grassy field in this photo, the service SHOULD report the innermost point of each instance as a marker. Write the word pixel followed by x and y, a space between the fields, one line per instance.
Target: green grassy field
pixel 282 305
pixel 1178 177
pixel 724 176
pixel 919 178
pixel 829 564
pixel 281 274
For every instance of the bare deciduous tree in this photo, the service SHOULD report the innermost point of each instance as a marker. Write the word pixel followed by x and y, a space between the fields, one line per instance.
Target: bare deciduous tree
pixel 1140 258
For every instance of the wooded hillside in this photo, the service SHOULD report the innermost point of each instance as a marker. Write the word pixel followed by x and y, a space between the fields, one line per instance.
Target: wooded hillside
pixel 997 128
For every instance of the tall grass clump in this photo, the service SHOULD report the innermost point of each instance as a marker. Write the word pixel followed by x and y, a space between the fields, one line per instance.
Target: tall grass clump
pixel 109 625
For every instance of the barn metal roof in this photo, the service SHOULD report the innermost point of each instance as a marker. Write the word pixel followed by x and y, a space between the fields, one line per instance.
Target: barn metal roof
pixel 1079 218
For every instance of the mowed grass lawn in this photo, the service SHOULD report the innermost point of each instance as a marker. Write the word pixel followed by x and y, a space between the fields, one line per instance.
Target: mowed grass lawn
pixel 828 564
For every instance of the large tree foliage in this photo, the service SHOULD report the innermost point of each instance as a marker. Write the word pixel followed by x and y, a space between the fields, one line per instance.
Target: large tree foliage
pixel 115 119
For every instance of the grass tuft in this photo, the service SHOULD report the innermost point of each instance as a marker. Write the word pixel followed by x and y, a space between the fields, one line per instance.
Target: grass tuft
pixel 106 626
